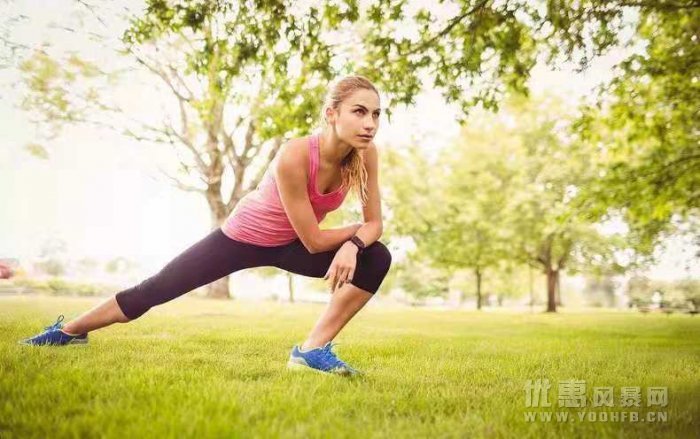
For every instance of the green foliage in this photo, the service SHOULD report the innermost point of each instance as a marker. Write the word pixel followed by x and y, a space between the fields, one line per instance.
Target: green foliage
pixel 645 125
pixel 600 291
pixel 119 265
pixel 504 195
pixel 420 280
pixel 682 293
pixel 51 266
pixel 229 46
pixel 37 151
pixel 478 51
pixel 58 286
pixel 59 92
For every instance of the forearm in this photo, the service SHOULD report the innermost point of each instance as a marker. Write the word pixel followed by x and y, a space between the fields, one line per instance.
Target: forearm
pixel 331 239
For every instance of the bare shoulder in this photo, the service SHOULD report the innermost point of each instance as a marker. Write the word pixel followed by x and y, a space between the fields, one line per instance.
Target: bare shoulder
pixel 293 157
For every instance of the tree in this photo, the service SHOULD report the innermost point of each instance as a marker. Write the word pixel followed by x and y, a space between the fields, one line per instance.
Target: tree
pixel 429 206
pixel 639 290
pixel 505 193
pixel 600 290
pixel 551 226
pixel 241 78
pixel 477 52
pixel 271 272
pixel 451 208
pixel 420 280
pixel 53 257
pixel 645 124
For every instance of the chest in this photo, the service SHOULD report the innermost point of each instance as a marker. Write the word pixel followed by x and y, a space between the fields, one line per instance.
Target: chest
pixel 328 179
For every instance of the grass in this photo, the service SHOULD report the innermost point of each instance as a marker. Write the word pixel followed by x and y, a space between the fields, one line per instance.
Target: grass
pixel 198 368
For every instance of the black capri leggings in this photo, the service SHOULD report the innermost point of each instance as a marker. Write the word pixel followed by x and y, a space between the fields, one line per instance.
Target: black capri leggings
pixel 217 255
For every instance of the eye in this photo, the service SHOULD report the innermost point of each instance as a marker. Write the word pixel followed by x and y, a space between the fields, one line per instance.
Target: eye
pixel 360 110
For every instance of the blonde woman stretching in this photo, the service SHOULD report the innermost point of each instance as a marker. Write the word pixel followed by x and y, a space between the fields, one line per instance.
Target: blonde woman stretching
pixel 278 225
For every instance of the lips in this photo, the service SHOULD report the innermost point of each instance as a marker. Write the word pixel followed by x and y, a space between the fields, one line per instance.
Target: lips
pixel 365 137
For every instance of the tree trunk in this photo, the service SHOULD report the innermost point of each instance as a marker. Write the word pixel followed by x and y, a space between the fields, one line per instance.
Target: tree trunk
pixel 551 290
pixel 557 288
pixel 219 289
pixel 532 289
pixel 290 283
pixel 478 289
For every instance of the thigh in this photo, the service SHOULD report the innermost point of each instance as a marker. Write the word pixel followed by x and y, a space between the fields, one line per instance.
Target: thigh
pixel 212 258
pixel 372 265
pixel 209 259
pixel 297 259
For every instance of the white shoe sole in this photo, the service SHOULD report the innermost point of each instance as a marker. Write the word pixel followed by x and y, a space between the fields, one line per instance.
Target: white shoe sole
pixel 298 367
pixel 292 365
pixel 78 341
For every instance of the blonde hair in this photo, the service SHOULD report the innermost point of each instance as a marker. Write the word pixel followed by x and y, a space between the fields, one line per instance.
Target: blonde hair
pixel 352 168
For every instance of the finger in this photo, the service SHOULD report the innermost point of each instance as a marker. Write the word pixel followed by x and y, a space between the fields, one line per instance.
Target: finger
pixel 332 277
pixel 351 274
pixel 338 279
pixel 346 276
pixel 341 279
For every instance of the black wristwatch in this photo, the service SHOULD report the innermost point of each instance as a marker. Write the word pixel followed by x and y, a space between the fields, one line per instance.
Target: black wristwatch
pixel 358 242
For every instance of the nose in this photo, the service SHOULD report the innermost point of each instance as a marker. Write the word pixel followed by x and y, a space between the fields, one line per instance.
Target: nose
pixel 370 125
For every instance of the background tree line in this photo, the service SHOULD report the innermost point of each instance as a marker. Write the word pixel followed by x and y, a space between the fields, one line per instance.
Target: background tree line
pixel 237 79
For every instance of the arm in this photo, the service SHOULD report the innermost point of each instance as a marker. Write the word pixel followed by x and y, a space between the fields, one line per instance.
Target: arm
pixel 331 239
pixel 291 179
pixel 372 228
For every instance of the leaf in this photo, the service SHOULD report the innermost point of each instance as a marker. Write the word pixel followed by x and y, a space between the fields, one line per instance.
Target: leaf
pixel 37 151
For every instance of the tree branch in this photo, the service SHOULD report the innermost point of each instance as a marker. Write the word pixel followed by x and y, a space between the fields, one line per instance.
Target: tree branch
pixel 454 22
pixel 160 73
pixel 180 185
pixel 201 165
pixel 270 156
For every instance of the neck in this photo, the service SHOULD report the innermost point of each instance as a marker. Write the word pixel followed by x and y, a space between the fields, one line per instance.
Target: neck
pixel 332 149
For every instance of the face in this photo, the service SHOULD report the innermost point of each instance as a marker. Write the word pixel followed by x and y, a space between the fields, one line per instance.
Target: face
pixel 357 119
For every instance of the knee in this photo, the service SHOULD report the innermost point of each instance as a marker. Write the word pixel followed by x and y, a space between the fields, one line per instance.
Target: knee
pixel 378 256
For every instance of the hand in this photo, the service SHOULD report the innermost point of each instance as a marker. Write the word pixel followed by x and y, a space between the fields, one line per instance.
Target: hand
pixel 342 268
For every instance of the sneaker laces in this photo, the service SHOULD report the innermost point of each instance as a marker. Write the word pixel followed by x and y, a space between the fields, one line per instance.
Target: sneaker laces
pixel 332 357
pixel 57 325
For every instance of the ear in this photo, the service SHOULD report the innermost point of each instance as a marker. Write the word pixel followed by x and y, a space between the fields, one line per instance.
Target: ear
pixel 330 115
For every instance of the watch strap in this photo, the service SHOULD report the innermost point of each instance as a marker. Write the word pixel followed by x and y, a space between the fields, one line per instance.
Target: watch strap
pixel 358 242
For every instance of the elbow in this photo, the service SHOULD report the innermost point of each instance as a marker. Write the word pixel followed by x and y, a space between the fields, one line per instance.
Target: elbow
pixel 312 247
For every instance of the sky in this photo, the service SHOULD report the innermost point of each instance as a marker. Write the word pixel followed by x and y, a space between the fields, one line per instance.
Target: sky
pixel 103 196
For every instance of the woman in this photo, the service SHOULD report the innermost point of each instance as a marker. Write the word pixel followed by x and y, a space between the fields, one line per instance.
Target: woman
pixel 278 225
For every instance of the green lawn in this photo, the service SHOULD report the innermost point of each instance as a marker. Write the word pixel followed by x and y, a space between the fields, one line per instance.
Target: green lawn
pixel 198 368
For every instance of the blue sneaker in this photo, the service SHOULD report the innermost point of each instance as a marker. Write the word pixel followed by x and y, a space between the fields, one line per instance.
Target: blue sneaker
pixel 321 359
pixel 53 335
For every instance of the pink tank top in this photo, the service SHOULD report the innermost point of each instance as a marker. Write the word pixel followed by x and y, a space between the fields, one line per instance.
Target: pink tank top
pixel 260 219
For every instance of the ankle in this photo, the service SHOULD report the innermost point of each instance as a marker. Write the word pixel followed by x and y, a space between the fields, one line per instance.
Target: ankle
pixel 67 329
pixel 308 345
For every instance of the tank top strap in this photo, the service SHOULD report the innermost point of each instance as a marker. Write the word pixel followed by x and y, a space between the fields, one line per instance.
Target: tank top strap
pixel 313 161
